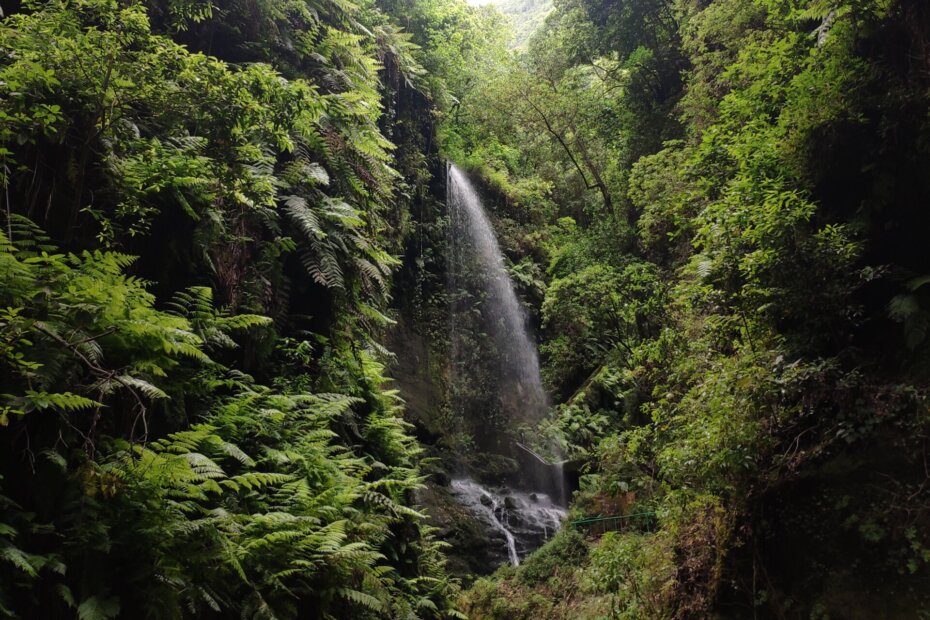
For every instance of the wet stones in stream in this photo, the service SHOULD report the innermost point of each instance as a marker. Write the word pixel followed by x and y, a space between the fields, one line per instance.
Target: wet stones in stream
pixel 517 522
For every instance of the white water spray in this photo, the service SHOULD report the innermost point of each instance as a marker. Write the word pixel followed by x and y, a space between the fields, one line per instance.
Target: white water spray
pixel 524 520
pixel 473 239
pixel 496 381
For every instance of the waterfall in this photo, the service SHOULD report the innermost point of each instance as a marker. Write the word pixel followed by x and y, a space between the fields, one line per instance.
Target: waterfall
pixel 477 265
pixel 523 520
pixel 496 389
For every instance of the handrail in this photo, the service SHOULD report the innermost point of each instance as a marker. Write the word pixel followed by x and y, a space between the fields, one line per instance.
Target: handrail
pixel 616 522
pixel 539 458
pixel 587 520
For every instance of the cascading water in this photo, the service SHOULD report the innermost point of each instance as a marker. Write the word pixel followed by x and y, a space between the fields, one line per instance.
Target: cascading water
pixel 496 385
pixel 524 520
pixel 474 245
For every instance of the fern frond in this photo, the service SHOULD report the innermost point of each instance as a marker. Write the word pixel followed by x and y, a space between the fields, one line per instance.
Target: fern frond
pixel 149 390
pixel 360 598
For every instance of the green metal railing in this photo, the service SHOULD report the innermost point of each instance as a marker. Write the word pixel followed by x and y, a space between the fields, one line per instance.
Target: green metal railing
pixel 640 521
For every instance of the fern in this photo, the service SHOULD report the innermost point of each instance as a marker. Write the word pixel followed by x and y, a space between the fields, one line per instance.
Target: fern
pixel 18 559
pixel 362 599
pixel 65 401
pixel 147 389
pixel 95 608
pixel 183 482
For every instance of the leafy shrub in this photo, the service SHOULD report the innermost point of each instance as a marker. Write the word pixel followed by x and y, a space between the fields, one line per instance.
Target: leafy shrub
pixel 637 572
pixel 566 549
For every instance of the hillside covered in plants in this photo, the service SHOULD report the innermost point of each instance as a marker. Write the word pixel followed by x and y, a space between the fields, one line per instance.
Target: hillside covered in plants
pixel 247 362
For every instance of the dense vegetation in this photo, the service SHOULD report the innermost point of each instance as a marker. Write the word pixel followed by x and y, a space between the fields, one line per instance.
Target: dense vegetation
pixel 214 212
pixel 201 215
pixel 723 201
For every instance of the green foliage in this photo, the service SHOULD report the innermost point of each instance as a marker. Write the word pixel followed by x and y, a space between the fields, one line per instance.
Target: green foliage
pixel 254 505
pixel 735 313
pixel 262 166
pixel 548 585
pixel 204 430
pixel 637 571
pixel 459 42
pixel 595 314
pixel 713 210
pixel 565 549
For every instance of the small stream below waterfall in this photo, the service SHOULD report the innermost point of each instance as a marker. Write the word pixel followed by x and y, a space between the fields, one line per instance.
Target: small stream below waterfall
pixel 518 521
